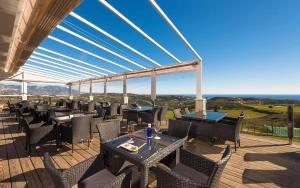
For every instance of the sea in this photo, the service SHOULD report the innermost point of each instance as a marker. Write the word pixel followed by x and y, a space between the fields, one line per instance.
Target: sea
pixel 258 96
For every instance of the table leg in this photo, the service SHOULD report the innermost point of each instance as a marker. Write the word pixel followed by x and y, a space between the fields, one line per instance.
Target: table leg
pixel 177 156
pixel 144 177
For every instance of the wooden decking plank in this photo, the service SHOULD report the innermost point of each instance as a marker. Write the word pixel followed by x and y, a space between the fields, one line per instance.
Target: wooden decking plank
pixel 5 180
pixel 16 172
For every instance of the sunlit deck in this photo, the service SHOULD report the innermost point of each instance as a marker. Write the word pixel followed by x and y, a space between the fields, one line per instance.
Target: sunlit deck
pixel 258 163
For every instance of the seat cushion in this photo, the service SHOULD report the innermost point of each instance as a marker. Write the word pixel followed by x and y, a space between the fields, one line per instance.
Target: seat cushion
pixel 190 173
pixel 99 179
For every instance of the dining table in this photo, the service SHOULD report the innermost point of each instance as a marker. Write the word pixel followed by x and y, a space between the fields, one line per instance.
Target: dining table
pixel 150 151
pixel 205 116
pixel 141 108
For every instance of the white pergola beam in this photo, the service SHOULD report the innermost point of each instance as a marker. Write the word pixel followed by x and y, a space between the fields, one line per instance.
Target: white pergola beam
pixel 139 30
pixel 87 52
pixel 46 73
pixel 81 72
pixel 69 63
pixel 67 76
pixel 98 46
pixel 77 60
pixel 45 64
pixel 170 23
pixel 36 73
pixel 112 37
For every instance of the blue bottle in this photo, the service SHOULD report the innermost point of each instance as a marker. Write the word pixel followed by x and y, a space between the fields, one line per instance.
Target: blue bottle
pixel 149 131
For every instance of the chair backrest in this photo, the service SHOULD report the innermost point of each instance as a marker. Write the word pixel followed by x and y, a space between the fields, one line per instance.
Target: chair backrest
pixel 101 111
pixel 177 113
pixel 57 176
pixel 214 179
pixel 109 130
pixel 60 114
pixel 162 113
pixel 81 128
pixel 187 111
pixel 42 107
pixel 179 128
pixel 238 126
pixel 114 109
pixel 122 107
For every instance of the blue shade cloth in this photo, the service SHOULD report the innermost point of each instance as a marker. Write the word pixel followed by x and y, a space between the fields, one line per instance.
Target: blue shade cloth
pixel 210 116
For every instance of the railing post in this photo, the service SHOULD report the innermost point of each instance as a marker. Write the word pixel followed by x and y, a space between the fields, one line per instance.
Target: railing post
pixel 290 122
pixel 79 87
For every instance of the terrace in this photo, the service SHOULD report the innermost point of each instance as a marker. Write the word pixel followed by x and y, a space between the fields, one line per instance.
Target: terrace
pixel 257 162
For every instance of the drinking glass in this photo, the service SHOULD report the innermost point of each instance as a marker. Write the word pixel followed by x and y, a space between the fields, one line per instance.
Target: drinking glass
pixel 156 129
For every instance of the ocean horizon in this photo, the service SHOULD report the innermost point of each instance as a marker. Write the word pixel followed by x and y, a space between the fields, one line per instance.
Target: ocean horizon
pixel 257 96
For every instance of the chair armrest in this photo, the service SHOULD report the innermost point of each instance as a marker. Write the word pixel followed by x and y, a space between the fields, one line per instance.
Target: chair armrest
pixel 84 169
pixel 200 163
pixel 123 179
pixel 168 178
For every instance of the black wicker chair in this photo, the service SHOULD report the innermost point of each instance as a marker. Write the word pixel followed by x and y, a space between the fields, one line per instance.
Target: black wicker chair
pixel 37 133
pixel 193 171
pixel 229 129
pixel 78 131
pixel 162 114
pixel 150 116
pixel 113 111
pixel 21 113
pixel 177 114
pixel 109 130
pixel 179 129
pixel 87 174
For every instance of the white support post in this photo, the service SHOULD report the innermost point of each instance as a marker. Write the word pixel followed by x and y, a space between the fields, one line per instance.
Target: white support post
pixel 91 91
pixel 79 84
pixel 70 92
pixel 24 88
pixel 125 90
pixel 200 103
pixel 105 88
pixel 153 87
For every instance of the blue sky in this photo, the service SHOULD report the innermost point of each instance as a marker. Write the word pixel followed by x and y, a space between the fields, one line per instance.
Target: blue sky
pixel 248 47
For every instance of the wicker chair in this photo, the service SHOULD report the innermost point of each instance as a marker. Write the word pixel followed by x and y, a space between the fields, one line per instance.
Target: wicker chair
pixel 150 116
pixel 113 111
pixel 179 129
pixel 109 130
pixel 177 114
pixel 162 114
pixel 79 131
pixel 87 174
pixel 132 116
pixel 37 133
pixel 22 114
pixel 229 129
pixel 193 171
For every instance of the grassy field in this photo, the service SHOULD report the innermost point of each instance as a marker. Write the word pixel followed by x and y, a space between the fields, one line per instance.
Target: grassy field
pixel 272 108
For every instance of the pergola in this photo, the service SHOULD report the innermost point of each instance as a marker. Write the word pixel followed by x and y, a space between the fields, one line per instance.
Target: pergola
pixel 60 67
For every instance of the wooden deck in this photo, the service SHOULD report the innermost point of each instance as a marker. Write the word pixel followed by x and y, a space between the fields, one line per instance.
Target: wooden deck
pixel 258 163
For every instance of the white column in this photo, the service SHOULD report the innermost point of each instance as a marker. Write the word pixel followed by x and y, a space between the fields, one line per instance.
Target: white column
pixel 199 102
pixel 91 91
pixel 125 90
pixel 70 92
pixel 153 86
pixel 105 88
pixel 24 88
pixel 79 85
